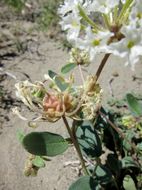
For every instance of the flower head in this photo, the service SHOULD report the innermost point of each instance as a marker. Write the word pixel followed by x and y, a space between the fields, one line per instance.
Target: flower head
pixel 92 97
pixel 79 57
pixel 60 98
pixel 103 6
pixel 117 30
pixel 130 46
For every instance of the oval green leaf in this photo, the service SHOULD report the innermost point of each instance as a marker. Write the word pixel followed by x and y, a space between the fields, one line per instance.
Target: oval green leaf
pixel 20 136
pixel 103 174
pixel 44 144
pixel 128 183
pixel 38 162
pixel 129 135
pixel 134 105
pixel 89 140
pixel 67 68
pixel 62 85
pixel 128 162
pixel 85 183
pixel 52 74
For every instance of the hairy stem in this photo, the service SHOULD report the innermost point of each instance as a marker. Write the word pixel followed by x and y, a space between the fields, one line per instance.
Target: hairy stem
pixel 101 66
pixel 75 142
pixel 81 73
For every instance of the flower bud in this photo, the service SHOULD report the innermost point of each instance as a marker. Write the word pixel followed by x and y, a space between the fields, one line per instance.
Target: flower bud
pixel 79 57
pixel 91 98
pixel 55 105
pixel 30 169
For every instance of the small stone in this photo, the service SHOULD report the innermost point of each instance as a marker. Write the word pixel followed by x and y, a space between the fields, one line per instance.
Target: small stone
pixel 115 74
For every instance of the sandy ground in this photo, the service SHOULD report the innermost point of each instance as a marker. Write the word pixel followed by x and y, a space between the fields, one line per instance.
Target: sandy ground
pixel 42 55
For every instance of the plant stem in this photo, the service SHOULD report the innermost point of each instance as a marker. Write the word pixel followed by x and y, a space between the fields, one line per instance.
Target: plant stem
pixel 123 136
pixel 101 66
pixel 80 70
pixel 74 140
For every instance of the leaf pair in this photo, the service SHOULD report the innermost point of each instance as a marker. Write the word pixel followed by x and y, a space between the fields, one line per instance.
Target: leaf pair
pixel 59 80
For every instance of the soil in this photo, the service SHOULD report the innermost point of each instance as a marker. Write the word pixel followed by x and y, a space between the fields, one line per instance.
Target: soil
pixel 38 54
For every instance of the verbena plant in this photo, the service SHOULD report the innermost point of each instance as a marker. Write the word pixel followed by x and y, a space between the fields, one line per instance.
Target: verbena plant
pixel 109 149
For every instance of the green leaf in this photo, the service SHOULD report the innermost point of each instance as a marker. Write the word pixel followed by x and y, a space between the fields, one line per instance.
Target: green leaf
pixel 129 135
pixel 38 162
pixel 67 68
pixel 103 175
pixel 101 122
pixel 113 164
pixel 128 183
pixel 44 144
pixel 128 162
pixel 52 74
pixel 62 85
pixel 20 136
pixel 85 183
pixel 89 140
pixel 134 105
pixel 139 146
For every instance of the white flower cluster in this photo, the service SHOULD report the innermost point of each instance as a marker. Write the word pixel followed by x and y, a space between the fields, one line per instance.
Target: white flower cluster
pixel 104 26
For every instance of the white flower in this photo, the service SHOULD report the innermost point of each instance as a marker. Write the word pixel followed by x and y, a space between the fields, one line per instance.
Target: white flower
pixel 103 6
pixel 72 6
pixel 130 46
pixel 123 1
pixel 136 10
pixel 94 42
pixel 71 23
pixel 85 34
pixel 68 6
